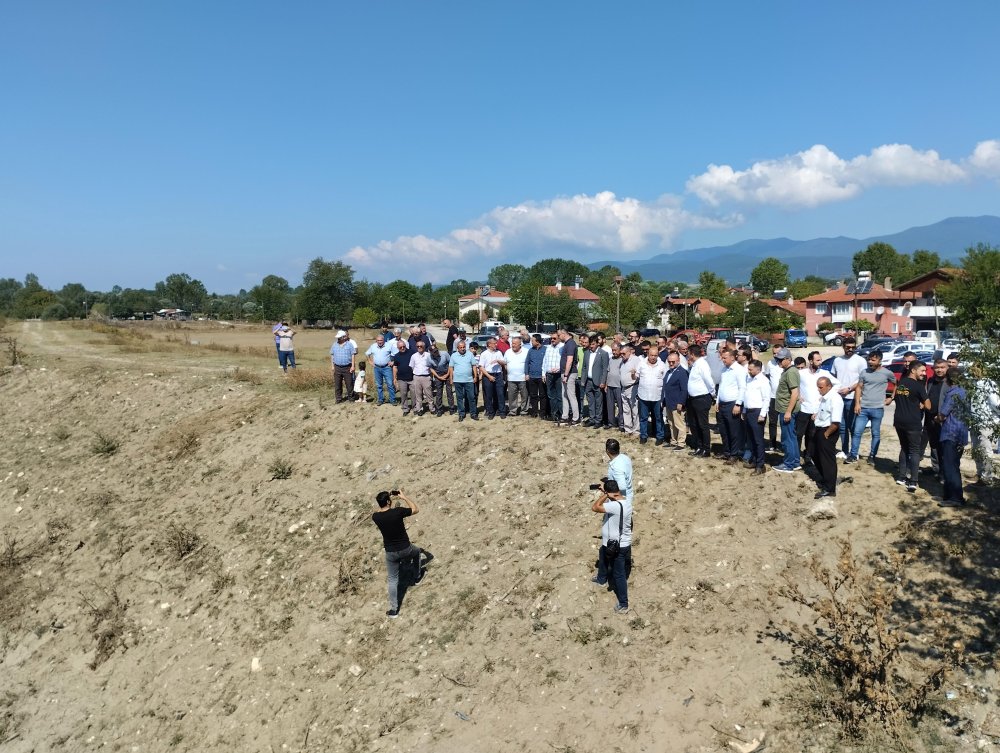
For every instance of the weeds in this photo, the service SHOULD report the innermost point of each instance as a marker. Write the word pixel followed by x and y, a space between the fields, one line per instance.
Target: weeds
pixel 108 623
pixel 105 445
pixel 15 355
pixel 308 379
pixel 853 648
pixel 280 469
pixel 180 540
pixel 105 499
pixel 13 554
pixel 240 374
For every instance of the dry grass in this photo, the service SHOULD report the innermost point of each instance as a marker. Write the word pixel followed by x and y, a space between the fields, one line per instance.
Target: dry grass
pixel 108 624
pixel 180 541
pixel 854 650
pixel 280 469
pixel 240 374
pixel 105 445
pixel 308 379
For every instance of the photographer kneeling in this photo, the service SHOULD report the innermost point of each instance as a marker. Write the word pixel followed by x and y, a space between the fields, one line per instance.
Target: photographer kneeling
pixel 398 548
pixel 615 558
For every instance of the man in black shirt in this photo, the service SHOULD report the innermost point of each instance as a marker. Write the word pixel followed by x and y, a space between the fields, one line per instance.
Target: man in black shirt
pixel 398 548
pixel 932 429
pixel 911 401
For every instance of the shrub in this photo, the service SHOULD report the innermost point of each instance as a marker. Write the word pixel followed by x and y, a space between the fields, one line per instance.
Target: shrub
pixel 308 379
pixel 105 445
pixel 240 374
pixel 853 647
pixel 180 540
pixel 280 469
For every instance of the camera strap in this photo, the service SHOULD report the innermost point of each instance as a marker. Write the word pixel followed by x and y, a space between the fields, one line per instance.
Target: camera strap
pixel 621 523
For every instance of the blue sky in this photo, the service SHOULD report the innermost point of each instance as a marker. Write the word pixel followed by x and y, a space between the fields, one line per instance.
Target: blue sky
pixel 430 141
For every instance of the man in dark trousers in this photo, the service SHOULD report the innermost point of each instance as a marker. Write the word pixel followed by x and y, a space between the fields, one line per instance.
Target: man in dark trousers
pixel 398 549
pixel 826 433
pixel 595 381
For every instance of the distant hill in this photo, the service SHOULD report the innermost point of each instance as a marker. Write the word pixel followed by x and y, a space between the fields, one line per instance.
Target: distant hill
pixel 826 257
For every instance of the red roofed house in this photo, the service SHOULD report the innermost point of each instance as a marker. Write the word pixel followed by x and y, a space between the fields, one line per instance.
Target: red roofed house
pixel 685 309
pixel 583 297
pixel 790 306
pixel 888 309
pixel 479 300
pixel 926 312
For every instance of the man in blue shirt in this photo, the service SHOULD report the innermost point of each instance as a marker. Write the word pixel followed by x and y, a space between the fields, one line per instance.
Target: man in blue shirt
pixel 538 403
pixel 342 363
pixel 380 357
pixel 463 373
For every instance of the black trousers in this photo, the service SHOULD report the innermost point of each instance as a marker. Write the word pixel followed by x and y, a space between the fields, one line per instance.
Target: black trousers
pixel 731 430
pixel 803 432
pixel 538 399
pixel 698 408
pixel 824 455
pixel 772 423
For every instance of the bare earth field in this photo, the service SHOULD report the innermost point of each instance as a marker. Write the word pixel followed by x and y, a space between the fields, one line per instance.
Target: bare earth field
pixel 163 588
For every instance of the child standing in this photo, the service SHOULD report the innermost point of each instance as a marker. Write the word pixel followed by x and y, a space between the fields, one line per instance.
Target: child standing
pixel 360 385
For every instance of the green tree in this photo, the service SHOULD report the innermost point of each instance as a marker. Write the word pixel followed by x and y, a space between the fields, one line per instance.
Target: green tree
pixel 923 262
pixel 72 296
pixel 55 311
pixel 635 304
pixel 807 286
pixel 973 296
pixel 365 317
pixel 272 297
pixel 506 277
pixel 711 286
pixel 551 271
pixel 9 288
pixel 530 304
pixel 770 275
pixel 882 260
pixel 182 292
pixel 327 291
pixel 471 318
pixel 400 301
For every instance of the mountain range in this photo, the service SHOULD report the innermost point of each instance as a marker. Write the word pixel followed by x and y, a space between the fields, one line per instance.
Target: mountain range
pixel 825 257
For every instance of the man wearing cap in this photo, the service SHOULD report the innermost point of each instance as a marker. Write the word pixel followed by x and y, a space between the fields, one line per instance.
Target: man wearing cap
pixel 342 363
pixel 614 562
pixel 379 355
pixel 398 549
pixel 788 404
pixel 420 364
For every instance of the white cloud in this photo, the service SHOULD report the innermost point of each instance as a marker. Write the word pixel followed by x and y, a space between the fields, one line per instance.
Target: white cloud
pixel 819 176
pixel 627 225
pixel 602 221
pixel 985 158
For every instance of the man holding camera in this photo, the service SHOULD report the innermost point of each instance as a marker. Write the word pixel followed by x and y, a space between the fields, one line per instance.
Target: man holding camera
pixel 398 549
pixel 614 561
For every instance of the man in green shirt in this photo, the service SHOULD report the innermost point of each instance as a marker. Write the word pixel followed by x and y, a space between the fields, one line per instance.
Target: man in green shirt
pixel 786 403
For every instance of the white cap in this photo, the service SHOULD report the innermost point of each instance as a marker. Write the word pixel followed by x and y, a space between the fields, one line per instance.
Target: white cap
pixel 341 333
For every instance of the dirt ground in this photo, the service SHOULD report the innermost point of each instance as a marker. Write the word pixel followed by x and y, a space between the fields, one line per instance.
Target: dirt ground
pixel 162 587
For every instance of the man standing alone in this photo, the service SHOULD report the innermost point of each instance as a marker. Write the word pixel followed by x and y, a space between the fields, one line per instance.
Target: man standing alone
pixel 342 364
pixel 398 549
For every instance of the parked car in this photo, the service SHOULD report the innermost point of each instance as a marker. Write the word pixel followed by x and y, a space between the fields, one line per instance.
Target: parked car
pixel 648 332
pixel 895 353
pixel 796 338
pixel 757 343
pixel 481 340
pixel 874 341
pixel 544 337
pixel 837 337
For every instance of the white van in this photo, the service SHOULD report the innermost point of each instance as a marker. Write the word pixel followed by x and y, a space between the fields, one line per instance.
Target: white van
pixel 895 354
pixel 927 336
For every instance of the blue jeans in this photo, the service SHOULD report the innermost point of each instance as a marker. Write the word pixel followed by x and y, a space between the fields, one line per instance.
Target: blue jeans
pixel 789 442
pixel 286 358
pixel 847 426
pixel 951 456
pixel 409 558
pixel 383 376
pixel 553 386
pixel 867 414
pixel 621 566
pixel 465 396
pixel 645 408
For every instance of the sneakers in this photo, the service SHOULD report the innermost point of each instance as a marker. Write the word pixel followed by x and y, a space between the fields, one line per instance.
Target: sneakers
pixel 841 455
pixel 870 460
pixel 642 440
pixel 598 582
pixel 621 609
pixel 824 493
pixel 850 460
pixel 786 468
pixel 392 614
pixel 911 487
pixel 948 502
pixel 420 578
pixel 901 481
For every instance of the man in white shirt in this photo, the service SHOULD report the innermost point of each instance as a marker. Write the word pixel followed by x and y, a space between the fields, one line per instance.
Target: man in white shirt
pixel 517 380
pixel 773 371
pixel 491 363
pixel 649 380
pixel 420 362
pixel 553 378
pixel 729 405
pixel 701 393
pixel 756 399
pixel 630 401
pixel 619 467
pixel 847 369
pixel 830 413
pixel 809 398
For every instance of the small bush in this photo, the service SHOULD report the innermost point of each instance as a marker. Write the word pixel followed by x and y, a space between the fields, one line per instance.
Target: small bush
pixel 854 648
pixel 105 445
pixel 108 623
pixel 308 379
pixel 280 469
pixel 240 374
pixel 180 540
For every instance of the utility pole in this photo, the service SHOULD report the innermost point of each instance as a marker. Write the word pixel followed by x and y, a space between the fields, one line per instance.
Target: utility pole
pixel 618 302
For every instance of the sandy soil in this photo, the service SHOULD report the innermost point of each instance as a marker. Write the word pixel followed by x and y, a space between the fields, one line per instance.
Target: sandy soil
pixel 174 596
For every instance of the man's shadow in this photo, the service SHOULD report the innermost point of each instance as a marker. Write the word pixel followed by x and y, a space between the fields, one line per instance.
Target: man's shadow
pixel 415 574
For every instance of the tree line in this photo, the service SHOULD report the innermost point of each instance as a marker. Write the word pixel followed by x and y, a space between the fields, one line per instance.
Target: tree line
pixel 330 291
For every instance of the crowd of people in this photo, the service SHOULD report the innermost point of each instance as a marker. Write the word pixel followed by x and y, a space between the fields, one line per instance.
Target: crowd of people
pixel 665 391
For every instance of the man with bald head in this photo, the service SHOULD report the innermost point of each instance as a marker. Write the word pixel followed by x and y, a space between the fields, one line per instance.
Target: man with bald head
pixel 826 432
